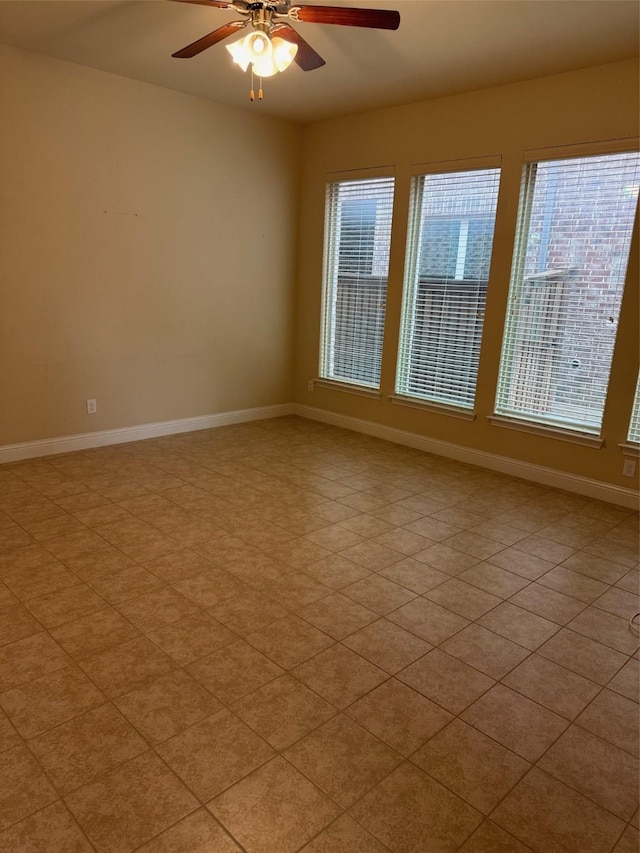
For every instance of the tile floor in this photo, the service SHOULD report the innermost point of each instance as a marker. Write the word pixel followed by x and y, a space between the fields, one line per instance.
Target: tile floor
pixel 283 637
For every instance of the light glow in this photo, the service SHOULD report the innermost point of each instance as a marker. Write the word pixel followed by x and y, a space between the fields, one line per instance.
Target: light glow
pixel 267 55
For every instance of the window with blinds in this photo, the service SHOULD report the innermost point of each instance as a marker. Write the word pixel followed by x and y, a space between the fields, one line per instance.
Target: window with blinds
pixel 634 425
pixel 447 269
pixel 356 265
pixel 572 247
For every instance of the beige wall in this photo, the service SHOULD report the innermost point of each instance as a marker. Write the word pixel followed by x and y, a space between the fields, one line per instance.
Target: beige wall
pixel 144 261
pixel 585 106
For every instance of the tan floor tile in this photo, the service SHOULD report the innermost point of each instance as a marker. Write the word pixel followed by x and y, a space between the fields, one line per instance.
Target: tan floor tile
pixel 409 811
pixel 521 626
pixel 127 666
pixel 295 590
pixel 471 765
pixel 446 559
pixel 24 560
pixel 607 629
pixel 168 705
pixel 387 645
pixel 490 838
pixel 340 675
pixel 505 533
pixel 191 638
pixel 343 759
pixel 629 841
pixel 283 711
pixel 9 737
pixel 433 529
pixel 519 563
pixel 548 603
pixel 155 610
pixel 247 612
pixel 552 686
pixel 613 718
pixel 6 596
pixel 515 721
pixel 446 680
pixel 335 571
pixel 428 620
pixel 131 804
pixel 486 651
pixel 30 658
pixel 344 836
pixel 94 633
pixel 78 751
pixel 372 555
pixel 178 566
pixel 210 588
pixel 197 833
pixel 462 518
pixel 275 808
pixel 46 702
pixel 215 753
pixel 367 526
pixel 399 716
pixel 582 655
pixel 630 582
pixel 600 771
pixel 66 605
pixel 619 602
pixel 547 815
pixel 337 615
pixel 298 553
pixel 51 830
pixel 415 576
pixel 573 584
pixel 595 567
pixel 493 579
pixel 126 584
pixel 234 671
pixel 40 580
pixel 12 538
pixel 474 544
pixel 16 623
pixel 396 515
pixel 399 539
pixel 289 641
pixel 24 788
pixel 463 599
pixel 99 563
pixel 627 680
pixel 547 549
pixel 334 538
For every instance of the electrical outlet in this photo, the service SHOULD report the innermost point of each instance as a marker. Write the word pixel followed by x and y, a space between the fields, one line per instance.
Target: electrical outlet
pixel 310 385
pixel 629 468
pixel 92 407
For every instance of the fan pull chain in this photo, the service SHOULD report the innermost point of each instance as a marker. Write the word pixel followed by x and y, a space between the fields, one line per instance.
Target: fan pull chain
pixel 252 94
pixel 260 93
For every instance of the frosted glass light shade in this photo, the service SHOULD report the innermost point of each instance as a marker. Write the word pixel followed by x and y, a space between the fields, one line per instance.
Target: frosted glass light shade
pixel 284 52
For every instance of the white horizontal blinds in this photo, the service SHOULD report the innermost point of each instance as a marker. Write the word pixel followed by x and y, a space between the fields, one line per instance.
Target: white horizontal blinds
pixel 634 426
pixel 356 266
pixel 448 258
pixel 574 233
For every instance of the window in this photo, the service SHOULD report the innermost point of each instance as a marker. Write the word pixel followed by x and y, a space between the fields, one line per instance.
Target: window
pixel 574 232
pixel 356 265
pixel 634 426
pixel 448 255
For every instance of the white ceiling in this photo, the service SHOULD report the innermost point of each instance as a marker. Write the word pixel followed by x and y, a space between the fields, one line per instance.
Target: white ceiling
pixel 442 47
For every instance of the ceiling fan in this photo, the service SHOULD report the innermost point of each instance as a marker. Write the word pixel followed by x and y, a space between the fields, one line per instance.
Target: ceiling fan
pixel 273 44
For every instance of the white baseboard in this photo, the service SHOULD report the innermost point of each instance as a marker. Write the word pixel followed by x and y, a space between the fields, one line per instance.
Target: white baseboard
pixel 87 440
pixel 503 464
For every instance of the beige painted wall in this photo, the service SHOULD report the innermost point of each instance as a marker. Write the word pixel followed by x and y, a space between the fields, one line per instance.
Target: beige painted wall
pixel 579 107
pixel 143 260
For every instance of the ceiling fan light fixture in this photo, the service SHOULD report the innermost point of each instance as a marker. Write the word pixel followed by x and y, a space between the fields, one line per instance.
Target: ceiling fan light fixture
pixel 284 52
pixel 239 53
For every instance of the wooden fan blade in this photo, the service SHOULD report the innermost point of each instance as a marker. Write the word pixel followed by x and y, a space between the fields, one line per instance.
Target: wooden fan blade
pixel 306 57
pixel 379 19
pixel 217 4
pixel 209 40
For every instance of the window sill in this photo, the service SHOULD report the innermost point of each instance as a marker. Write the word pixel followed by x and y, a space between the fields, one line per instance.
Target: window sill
pixel 360 390
pixel 438 408
pixel 629 448
pixel 548 431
